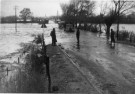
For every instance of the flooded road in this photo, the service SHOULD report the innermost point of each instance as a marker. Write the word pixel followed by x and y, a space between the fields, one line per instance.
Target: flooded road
pixel 110 66
pixel 112 70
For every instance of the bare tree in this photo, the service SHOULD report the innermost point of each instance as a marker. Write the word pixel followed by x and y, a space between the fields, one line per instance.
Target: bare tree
pixel 78 10
pixel 85 9
pixel 118 8
pixel 64 8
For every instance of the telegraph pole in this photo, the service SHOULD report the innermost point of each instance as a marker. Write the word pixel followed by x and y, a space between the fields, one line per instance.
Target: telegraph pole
pixel 57 15
pixel 118 19
pixel 15 18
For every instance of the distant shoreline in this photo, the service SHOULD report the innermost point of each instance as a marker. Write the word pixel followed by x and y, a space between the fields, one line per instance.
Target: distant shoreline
pixel 22 22
pixel 39 23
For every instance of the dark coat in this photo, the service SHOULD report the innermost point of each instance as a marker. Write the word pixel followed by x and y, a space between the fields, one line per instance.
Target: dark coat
pixel 53 35
pixel 112 36
pixel 78 33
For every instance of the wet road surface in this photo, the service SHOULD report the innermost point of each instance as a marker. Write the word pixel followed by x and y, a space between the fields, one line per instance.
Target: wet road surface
pixel 110 69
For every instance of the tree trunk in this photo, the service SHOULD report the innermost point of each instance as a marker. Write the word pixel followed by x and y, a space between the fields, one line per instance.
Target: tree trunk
pixel 100 28
pixel 108 32
pixel 117 30
pixel 24 19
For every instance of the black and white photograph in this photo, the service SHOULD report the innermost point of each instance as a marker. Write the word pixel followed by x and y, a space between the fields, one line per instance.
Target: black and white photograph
pixel 67 46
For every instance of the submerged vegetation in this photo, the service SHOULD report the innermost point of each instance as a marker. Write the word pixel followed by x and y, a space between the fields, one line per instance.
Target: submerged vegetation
pixel 91 27
pixel 33 54
pixel 124 35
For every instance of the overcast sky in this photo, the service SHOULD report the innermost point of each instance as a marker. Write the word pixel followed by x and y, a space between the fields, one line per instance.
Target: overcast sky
pixel 38 7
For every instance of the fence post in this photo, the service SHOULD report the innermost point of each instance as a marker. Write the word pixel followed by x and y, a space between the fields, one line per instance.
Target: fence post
pixel 7 71
pixel 48 73
pixel 18 60
pixel 47 62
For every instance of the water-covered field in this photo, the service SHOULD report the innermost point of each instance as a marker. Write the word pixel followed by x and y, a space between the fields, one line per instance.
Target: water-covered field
pixel 128 27
pixel 10 40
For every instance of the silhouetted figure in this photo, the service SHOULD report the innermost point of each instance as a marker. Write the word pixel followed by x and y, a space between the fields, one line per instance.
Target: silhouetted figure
pixel 53 35
pixel 112 37
pixel 78 35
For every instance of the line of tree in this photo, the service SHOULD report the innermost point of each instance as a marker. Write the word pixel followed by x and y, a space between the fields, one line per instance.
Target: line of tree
pixel 26 16
pixel 82 11
pixel 113 12
pixel 125 19
pixel 77 11
pixel 8 19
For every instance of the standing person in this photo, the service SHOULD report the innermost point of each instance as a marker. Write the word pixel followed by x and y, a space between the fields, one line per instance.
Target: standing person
pixel 53 35
pixel 78 35
pixel 112 37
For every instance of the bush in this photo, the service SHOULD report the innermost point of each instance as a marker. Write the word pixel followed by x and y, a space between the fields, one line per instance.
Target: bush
pixel 38 39
pixel 124 35
pixel 33 54
pixel 94 28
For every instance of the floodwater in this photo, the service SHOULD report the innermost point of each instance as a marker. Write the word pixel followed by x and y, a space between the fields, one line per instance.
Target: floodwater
pixel 128 27
pixel 10 39
pixel 117 62
pixel 122 27
pixel 108 66
pixel 13 77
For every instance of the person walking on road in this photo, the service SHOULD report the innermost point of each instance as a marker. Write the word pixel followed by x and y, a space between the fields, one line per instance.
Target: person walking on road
pixel 53 35
pixel 112 37
pixel 78 35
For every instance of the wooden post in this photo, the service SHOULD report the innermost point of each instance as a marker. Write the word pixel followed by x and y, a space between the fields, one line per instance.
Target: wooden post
pixel 48 74
pixel 7 71
pixel 118 19
pixel 18 60
pixel 15 18
pixel 100 24
pixel 43 44
pixel 46 62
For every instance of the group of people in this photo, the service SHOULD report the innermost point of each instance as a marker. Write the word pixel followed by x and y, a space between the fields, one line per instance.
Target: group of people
pixel 54 40
pixel 112 37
